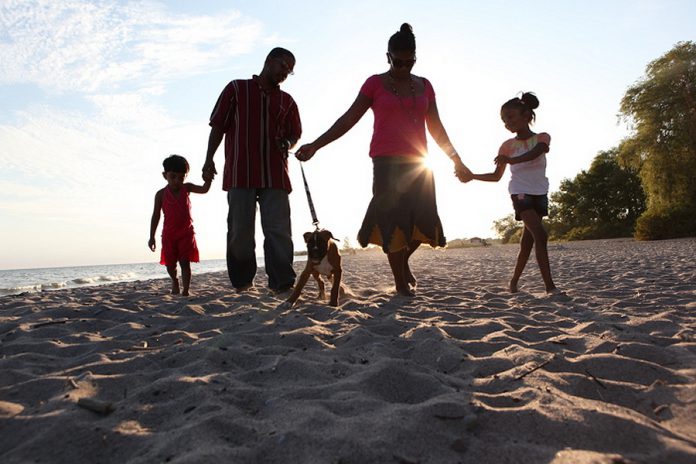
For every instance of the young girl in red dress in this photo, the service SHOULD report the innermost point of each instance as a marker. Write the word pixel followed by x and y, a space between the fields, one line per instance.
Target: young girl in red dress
pixel 178 238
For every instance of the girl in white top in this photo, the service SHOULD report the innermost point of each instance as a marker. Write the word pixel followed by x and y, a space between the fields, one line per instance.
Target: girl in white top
pixel 528 187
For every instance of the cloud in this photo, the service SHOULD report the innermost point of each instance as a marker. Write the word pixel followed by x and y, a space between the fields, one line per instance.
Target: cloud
pixel 64 150
pixel 131 109
pixel 120 57
pixel 72 178
pixel 102 46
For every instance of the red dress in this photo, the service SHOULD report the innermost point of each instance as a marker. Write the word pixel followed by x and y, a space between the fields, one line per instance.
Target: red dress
pixel 178 238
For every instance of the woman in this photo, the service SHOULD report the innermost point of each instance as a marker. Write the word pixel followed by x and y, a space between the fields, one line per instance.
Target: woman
pixel 403 210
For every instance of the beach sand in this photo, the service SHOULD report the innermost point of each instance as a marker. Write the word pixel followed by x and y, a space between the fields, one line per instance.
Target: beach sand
pixel 464 372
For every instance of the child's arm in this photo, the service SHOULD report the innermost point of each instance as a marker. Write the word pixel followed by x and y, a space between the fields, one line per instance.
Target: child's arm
pixel 154 222
pixel 495 175
pixel 200 188
pixel 538 150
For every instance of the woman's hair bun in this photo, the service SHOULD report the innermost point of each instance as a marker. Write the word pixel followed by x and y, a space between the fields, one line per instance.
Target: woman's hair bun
pixel 403 40
pixel 406 29
pixel 530 100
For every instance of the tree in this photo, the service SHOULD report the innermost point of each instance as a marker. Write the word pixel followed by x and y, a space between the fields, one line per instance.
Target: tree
pixel 603 202
pixel 508 229
pixel 661 109
pixel 347 247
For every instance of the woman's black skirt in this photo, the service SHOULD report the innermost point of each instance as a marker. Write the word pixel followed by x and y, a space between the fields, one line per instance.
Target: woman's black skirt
pixel 403 209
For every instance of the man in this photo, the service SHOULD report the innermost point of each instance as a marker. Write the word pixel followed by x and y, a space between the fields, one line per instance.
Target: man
pixel 259 123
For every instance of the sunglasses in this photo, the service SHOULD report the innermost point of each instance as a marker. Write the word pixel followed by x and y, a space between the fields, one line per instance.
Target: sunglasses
pixel 399 63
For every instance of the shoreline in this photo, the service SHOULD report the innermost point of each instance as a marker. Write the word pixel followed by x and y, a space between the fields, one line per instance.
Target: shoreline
pixel 463 372
pixel 49 279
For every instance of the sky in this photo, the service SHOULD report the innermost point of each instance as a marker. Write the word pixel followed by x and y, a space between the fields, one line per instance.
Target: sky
pixel 95 94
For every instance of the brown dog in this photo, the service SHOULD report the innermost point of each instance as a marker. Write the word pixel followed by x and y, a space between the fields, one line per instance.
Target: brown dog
pixel 322 259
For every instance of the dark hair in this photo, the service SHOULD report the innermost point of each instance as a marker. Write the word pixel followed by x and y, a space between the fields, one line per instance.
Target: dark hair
pixel 175 163
pixel 403 40
pixel 280 52
pixel 527 102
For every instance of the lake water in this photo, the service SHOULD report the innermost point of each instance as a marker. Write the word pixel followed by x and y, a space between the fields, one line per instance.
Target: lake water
pixel 15 281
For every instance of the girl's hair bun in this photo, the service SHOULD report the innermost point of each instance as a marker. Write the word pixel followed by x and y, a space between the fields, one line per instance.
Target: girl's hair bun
pixel 530 100
pixel 527 102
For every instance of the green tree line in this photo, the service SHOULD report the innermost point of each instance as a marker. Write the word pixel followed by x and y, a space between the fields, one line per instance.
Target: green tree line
pixel 644 187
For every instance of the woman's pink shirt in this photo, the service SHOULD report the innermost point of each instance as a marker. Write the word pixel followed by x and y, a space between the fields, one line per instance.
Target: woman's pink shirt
pixel 399 127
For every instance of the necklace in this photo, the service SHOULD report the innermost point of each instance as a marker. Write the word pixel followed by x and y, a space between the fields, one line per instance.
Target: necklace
pixel 410 110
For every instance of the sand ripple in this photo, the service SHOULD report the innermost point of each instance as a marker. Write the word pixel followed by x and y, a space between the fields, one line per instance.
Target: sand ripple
pixel 463 372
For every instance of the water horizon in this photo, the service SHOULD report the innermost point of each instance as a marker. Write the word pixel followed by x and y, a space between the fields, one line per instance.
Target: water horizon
pixel 34 280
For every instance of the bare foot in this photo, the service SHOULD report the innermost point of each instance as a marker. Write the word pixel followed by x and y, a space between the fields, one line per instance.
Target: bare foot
pixel 175 287
pixel 557 295
pixel 513 286
pixel 405 291
pixel 410 278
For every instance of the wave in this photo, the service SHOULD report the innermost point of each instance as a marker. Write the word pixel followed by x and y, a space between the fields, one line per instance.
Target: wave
pixel 124 277
pixel 20 289
pixel 83 281
pixel 19 281
pixel 13 282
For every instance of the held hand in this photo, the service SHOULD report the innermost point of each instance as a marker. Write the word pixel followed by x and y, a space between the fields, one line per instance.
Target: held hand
pixel 151 244
pixel 208 176
pixel 501 159
pixel 209 170
pixel 462 172
pixel 464 176
pixel 283 144
pixel 305 152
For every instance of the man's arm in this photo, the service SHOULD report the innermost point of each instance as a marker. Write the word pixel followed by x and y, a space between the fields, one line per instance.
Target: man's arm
pixel 214 139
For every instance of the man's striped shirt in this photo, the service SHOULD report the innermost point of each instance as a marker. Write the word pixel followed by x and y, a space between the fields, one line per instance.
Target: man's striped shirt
pixel 253 120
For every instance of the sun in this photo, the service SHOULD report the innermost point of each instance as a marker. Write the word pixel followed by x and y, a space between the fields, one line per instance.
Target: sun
pixel 434 162
pixel 429 161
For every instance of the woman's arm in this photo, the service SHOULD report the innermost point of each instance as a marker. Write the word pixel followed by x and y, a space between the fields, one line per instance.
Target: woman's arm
pixel 439 134
pixel 338 129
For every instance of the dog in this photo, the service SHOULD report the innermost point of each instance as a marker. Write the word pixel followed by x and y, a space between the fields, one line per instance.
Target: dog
pixel 322 259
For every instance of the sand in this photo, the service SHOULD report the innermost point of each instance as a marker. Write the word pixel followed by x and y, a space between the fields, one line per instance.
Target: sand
pixel 464 372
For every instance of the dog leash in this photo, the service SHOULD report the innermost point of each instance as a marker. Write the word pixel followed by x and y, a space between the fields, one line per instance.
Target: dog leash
pixel 315 221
